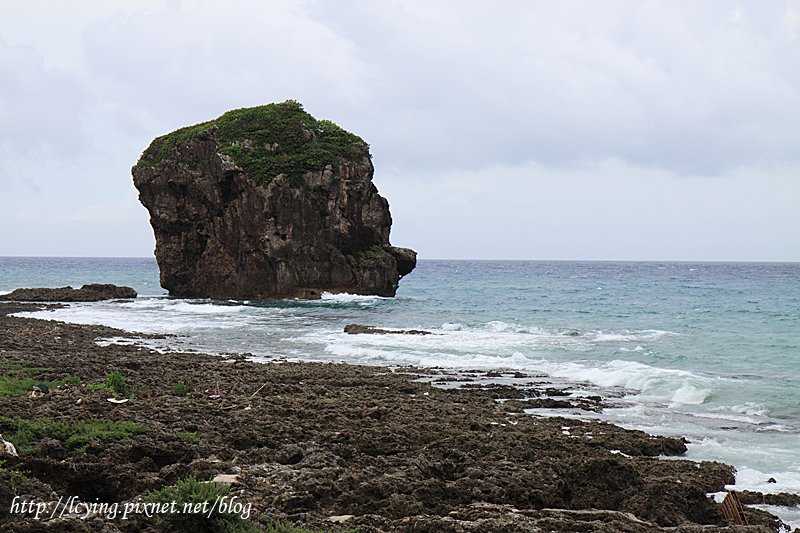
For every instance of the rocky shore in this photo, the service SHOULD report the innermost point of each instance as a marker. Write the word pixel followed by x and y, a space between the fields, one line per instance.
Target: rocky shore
pixel 88 293
pixel 328 447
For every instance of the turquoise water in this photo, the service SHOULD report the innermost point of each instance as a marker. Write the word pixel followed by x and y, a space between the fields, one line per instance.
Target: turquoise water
pixel 709 351
pixel 141 273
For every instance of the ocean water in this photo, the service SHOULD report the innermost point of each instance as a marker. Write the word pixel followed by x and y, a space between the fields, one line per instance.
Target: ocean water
pixel 707 351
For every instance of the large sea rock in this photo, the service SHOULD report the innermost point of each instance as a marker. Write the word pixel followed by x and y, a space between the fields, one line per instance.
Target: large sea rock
pixel 268 202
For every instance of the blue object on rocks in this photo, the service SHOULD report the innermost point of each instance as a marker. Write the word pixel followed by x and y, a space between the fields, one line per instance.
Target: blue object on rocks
pixel 42 387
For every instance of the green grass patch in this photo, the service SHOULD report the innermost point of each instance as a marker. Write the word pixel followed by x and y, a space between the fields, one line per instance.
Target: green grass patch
pixel 190 494
pixel 267 141
pixel 285 527
pixel 189 437
pixel 180 388
pixel 30 370
pixel 116 382
pixel 22 386
pixel 75 434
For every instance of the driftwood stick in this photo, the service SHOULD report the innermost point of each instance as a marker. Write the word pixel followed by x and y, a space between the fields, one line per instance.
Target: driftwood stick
pixel 259 390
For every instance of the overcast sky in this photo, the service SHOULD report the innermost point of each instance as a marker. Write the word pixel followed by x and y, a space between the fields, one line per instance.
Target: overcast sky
pixel 628 130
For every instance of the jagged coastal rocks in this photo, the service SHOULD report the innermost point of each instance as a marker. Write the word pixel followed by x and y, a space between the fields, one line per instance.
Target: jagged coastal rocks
pixel 93 292
pixel 268 202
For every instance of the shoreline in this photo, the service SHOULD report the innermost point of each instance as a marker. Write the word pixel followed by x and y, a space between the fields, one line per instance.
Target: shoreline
pixel 311 441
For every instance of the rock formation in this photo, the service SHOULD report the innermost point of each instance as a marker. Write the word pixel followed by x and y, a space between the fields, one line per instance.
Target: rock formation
pixel 267 202
pixel 88 293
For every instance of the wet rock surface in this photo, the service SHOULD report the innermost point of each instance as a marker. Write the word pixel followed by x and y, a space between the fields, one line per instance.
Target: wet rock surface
pixel 356 329
pixel 334 446
pixel 88 293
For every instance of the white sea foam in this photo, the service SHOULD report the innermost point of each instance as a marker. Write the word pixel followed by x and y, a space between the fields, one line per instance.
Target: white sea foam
pixel 788 515
pixel 613 337
pixel 347 297
pixel 750 408
pixel 148 315
pixel 121 341
pixel 752 479
pixel 689 394
pixel 498 345
pixel 206 308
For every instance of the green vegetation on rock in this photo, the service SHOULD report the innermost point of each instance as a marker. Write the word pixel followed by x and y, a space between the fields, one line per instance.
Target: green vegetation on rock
pixel 74 434
pixel 267 141
pixel 116 382
pixel 190 496
pixel 180 388
pixel 189 437
pixel 17 383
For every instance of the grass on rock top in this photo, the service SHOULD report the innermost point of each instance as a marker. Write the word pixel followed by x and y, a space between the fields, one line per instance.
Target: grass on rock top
pixel 267 141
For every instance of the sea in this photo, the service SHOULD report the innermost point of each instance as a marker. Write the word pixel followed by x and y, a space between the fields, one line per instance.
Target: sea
pixel 709 351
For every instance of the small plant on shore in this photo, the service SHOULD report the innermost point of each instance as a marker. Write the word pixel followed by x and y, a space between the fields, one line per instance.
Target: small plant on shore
pixel 116 382
pixel 285 527
pixel 189 437
pixel 192 494
pixel 180 388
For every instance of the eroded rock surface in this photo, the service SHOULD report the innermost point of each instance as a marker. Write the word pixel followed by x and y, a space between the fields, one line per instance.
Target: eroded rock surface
pixel 229 230
pixel 93 292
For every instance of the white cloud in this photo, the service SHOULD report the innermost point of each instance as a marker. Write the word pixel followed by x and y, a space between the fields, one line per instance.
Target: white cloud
pixel 608 210
pixel 116 230
pixel 657 84
pixel 476 98
pixel 40 108
pixel 54 28
pixel 185 66
pixel 791 20
pixel 129 209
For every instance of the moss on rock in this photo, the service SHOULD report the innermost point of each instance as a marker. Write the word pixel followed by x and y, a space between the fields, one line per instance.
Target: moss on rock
pixel 269 140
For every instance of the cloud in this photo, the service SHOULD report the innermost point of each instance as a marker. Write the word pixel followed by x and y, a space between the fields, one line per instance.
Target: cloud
pixel 469 85
pixel 41 109
pixel 450 85
pixel 119 229
pixel 791 20
pixel 185 65
pixel 456 99
pixel 737 15
pixel 129 209
pixel 609 210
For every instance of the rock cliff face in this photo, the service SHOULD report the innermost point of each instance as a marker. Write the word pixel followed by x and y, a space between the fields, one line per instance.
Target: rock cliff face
pixel 268 203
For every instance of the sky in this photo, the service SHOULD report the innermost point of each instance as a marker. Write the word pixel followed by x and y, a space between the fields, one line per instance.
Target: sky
pixel 571 130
